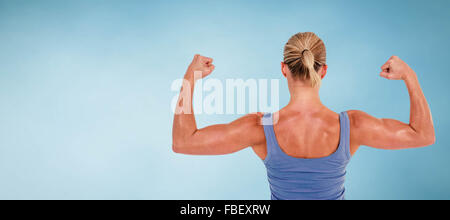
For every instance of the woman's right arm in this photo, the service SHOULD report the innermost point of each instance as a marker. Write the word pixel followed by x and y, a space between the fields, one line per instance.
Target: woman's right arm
pixel 389 133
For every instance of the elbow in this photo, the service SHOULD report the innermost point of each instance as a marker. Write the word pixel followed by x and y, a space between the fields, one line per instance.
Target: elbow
pixel 431 140
pixel 423 137
pixel 177 143
pixel 180 146
pixel 177 147
pixel 428 140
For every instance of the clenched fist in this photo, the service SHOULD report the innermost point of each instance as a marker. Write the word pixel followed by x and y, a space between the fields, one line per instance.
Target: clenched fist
pixel 200 64
pixel 396 69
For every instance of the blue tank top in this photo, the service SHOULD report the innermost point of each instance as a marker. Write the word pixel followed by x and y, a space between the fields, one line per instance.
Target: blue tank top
pixel 292 178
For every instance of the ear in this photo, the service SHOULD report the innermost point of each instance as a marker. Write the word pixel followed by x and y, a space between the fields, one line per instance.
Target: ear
pixel 283 69
pixel 323 71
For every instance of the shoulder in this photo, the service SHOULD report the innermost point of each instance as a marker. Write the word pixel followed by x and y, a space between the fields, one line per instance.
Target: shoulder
pixel 359 122
pixel 363 125
pixel 249 127
pixel 359 118
pixel 250 120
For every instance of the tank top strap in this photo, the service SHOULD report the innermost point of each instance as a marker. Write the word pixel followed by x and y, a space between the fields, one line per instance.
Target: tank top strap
pixel 271 140
pixel 344 143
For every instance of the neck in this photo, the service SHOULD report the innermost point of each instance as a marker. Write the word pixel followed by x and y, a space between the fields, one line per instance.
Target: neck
pixel 304 97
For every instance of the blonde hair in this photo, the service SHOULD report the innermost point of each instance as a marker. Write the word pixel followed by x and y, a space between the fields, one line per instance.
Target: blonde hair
pixel 304 54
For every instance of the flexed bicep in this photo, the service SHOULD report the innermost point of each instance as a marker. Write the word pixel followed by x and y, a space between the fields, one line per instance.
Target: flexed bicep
pixel 383 133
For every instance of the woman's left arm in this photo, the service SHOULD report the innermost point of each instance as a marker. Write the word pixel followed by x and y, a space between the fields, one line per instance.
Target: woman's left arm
pixel 215 139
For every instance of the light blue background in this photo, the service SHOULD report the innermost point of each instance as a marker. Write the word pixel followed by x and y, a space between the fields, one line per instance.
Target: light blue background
pixel 85 92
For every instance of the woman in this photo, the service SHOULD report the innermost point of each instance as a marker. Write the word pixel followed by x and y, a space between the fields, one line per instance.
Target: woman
pixel 308 148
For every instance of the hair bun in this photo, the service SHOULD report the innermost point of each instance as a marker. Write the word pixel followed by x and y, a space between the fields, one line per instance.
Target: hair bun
pixel 304 51
pixel 301 53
